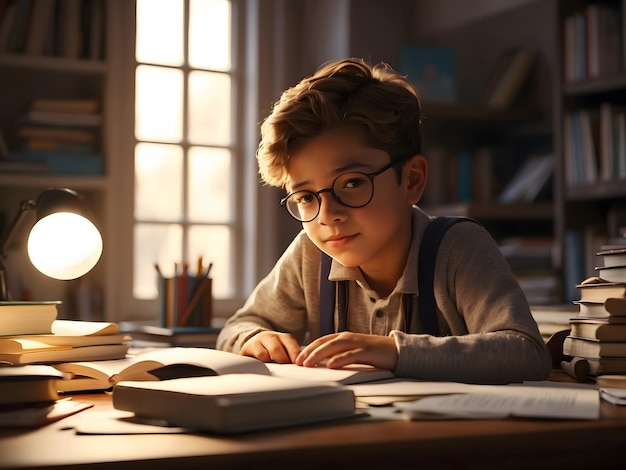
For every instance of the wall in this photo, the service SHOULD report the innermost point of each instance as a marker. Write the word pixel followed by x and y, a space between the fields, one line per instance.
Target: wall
pixel 436 16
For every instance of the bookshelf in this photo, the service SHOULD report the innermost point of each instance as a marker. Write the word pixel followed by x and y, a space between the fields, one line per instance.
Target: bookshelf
pixel 476 150
pixel 591 210
pixel 571 77
pixel 63 67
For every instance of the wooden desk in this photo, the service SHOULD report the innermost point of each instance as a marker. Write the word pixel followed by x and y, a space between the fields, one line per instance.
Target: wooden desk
pixel 361 443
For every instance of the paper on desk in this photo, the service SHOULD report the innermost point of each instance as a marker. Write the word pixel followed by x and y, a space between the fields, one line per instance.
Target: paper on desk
pixel 385 392
pixel 540 400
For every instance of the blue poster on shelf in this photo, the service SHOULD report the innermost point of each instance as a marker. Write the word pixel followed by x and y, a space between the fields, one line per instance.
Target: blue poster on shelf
pixel 432 70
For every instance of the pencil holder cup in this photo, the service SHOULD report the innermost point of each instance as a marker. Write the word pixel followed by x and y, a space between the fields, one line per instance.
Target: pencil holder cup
pixel 186 301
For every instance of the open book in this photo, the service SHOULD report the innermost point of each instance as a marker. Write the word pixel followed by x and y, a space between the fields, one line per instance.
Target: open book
pixel 179 362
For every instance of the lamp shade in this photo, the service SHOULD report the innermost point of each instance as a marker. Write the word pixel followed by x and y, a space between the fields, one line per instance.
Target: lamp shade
pixel 63 244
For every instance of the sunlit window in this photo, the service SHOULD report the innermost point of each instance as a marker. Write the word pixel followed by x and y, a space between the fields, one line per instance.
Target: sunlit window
pixel 184 100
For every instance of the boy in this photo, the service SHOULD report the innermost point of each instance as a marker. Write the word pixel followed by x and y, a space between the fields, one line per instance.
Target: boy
pixel 345 144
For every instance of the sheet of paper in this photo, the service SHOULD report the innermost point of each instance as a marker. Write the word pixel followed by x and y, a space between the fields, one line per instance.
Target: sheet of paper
pixel 541 401
pixel 409 388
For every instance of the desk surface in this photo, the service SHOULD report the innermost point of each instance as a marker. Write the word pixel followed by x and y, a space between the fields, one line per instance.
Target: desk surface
pixel 362 443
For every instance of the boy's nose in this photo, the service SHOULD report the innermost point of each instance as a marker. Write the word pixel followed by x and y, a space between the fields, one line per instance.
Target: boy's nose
pixel 331 210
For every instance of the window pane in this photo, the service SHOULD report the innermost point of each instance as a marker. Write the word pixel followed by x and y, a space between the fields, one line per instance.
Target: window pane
pixel 214 245
pixel 160 32
pixel 209 185
pixel 154 244
pixel 159 104
pixel 209 34
pixel 209 108
pixel 158 182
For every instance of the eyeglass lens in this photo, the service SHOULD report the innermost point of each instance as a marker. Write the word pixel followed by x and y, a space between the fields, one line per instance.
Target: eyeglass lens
pixel 350 189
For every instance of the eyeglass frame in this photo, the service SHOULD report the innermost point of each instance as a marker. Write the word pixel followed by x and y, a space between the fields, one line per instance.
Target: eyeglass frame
pixel 370 176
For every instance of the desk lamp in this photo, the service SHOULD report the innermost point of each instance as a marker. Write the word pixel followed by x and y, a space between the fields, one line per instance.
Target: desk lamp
pixel 63 243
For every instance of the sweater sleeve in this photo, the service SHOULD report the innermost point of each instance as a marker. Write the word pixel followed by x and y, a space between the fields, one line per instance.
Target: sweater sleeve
pixel 281 300
pixel 493 337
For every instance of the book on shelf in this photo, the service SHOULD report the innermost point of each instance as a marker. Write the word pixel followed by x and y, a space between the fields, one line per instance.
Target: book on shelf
pixel 604 39
pixel 40 26
pixel 505 86
pixel 27 317
pixel 584 347
pixel 235 403
pixel 28 384
pixel 61 118
pixel 529 180
pixel 180 362
pixel 67 105
pixel 595 289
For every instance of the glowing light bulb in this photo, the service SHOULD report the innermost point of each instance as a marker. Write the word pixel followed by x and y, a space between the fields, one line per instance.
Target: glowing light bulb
pixel 64 245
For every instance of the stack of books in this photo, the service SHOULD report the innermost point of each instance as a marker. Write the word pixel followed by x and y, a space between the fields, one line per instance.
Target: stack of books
pixel 596 344
pixel 60 133
pixel 28 396
pixel 31 334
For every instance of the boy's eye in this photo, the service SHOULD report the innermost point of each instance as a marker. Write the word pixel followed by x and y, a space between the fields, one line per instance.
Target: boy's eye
pixel 304 198
pixel 353 182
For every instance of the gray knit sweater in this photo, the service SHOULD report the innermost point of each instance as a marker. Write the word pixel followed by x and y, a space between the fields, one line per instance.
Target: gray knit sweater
pixel 488 333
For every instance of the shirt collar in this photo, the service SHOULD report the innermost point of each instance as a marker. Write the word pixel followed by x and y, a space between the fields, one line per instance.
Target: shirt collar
pixel 407 284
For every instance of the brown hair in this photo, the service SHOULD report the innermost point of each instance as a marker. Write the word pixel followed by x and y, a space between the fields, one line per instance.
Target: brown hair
pixel 375 100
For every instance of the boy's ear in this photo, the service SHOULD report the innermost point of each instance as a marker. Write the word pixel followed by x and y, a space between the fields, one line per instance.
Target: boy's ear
pixel 414 175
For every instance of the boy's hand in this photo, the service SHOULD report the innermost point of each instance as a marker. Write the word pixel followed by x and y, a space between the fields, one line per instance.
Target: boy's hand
pixel 271 346
pixel 345 348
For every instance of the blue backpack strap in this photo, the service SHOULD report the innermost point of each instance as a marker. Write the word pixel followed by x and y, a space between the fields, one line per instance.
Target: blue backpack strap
pixel 330 292
pixel 327 298
pixel 426 303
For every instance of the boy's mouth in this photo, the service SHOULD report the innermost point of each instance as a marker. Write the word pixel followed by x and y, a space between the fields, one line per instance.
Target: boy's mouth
pixel 340 240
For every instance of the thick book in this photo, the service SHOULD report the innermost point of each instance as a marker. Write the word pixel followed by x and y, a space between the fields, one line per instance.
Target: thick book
pixel 24 318
pixel 612 273
pixel 65 335
pixel 611 381
pixel 595 289
pixel 55 355
pixel 580 347
pixel 613 308
pixel 614 256
pixel 178 362
pixel 28 384
pixel 598 330
pixel 235 403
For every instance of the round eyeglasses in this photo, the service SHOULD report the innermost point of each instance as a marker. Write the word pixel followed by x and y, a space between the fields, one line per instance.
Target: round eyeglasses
pixel 353 189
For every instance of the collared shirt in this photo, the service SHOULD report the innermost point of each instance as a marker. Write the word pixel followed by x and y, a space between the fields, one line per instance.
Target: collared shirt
pixel 487 332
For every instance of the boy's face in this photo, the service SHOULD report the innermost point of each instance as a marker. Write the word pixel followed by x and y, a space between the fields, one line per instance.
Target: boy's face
pixel 373 237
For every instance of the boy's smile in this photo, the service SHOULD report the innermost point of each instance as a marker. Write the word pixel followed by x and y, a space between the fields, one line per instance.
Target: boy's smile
pixel 375 237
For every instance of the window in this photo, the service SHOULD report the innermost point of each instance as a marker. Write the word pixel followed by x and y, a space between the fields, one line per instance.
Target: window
pixel 185 162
